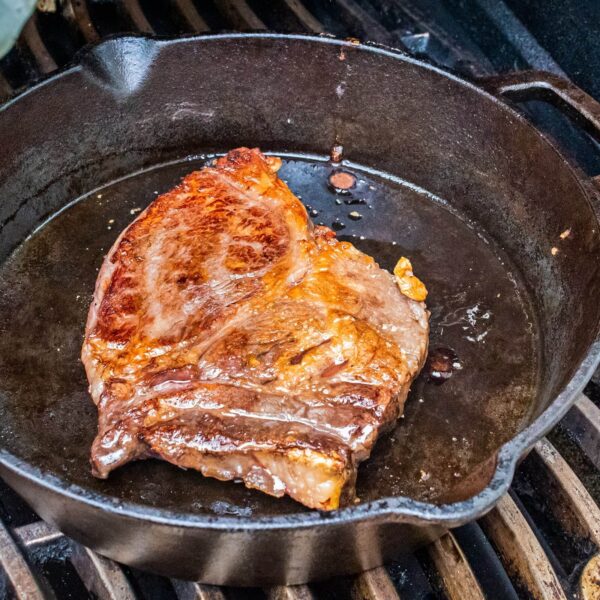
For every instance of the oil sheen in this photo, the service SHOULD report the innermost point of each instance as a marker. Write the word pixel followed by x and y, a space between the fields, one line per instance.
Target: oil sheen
pixel 481 317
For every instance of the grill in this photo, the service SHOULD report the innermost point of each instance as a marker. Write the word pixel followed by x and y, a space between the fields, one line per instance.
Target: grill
pixel 543 538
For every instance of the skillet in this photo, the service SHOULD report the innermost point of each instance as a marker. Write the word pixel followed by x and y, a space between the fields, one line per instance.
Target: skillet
pixel 501 227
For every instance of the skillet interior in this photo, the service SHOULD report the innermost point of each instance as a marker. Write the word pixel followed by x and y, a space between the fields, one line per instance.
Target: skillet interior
pixel 155 102
pixel 479 308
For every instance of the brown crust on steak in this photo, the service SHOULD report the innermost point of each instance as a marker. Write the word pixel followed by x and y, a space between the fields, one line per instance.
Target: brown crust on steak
pixel 229 335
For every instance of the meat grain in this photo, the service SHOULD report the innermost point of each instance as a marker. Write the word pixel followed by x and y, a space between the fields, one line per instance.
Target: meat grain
pixel 229 335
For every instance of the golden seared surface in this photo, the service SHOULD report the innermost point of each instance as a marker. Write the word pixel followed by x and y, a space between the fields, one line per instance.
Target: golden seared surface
pixel 229 335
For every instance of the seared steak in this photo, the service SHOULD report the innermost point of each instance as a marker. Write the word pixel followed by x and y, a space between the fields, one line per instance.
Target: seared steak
pixel 229 335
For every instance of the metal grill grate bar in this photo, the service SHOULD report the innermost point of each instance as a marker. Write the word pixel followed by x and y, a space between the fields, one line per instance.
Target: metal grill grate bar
pixel 528 47
pixel 31 37
pixel 190 590
pixel 304 16
pixel 290 592
pixel 375 584
pixel 571 503
pixel 36 534
pixel 457 577
pixel 101 576
pixel 192 16
pixel 457 49
pixel 520 551
pixel 134 11
pixel 483 561
pixel 241 15
pixel 5 88
pixel 583 423
pixel 373 29
pixel 77 12
pixel 16 568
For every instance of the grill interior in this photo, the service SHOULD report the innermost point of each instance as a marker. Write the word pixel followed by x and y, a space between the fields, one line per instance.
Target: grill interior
pixel 543 538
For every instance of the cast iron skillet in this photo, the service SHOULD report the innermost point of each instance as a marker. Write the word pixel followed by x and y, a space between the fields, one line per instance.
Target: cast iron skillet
pixel 446 174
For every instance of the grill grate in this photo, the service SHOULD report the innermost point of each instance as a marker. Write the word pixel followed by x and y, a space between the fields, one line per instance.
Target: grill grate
pixel 546 532
pixel 535 544
pixel 51 38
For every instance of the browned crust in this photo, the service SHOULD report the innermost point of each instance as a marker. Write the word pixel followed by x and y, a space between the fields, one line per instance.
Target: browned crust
pixel 226 328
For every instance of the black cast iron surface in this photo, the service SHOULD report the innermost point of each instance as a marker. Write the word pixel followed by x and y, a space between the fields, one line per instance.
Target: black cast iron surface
pixel 479 308
pixel 463 185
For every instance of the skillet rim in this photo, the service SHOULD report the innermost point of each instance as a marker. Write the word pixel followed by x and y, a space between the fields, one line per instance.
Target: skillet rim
pixel 401 509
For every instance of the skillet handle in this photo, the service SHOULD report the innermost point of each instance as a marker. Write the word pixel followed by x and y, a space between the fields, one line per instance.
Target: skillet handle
pixel 560 92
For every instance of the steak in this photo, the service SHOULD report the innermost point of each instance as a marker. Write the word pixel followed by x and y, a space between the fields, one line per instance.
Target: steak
pixel 229 335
